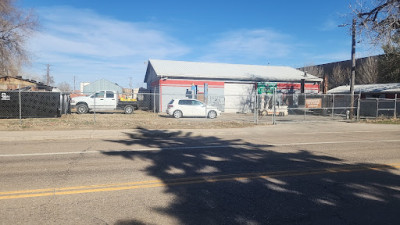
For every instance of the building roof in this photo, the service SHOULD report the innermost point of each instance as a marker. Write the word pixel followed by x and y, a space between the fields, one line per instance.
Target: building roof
pixel 14 86
pixel 102 84
pixel 367 88
pixel 223 71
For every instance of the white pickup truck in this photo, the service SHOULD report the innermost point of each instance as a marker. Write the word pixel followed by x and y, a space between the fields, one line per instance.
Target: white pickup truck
pixel 103 101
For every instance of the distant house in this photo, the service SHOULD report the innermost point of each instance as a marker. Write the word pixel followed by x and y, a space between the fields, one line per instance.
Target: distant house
pixel 101 84
pixel 370 90
pixel 230 87
pixel 9 83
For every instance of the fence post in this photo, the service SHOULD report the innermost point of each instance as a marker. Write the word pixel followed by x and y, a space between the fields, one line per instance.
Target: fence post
pixel 395 106
pixel 256 109
pixel 274 105
pixel 358 106
pixel 94 109
pixel 377 108
pixel 333 104
pixel 305 106
pixel 154 101
pixel 20 106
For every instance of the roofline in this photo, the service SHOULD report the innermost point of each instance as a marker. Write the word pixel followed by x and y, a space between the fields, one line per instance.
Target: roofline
pixel 176 76
pixel 232 80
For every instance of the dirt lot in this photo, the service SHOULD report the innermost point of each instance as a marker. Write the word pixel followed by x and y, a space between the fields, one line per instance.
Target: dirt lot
pixel 143 119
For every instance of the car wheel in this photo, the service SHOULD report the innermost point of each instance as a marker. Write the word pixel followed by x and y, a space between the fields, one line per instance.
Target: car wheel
pixel 82 109
pixel 212 114
pixel 177 114
pixel 128 109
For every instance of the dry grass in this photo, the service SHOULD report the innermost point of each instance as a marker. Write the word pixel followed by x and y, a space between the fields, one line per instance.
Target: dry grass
pixel 384 121
pixel 142 119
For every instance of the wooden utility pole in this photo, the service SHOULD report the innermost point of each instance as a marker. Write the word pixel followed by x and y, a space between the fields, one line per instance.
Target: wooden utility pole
pixel 47 74
pixel 353 67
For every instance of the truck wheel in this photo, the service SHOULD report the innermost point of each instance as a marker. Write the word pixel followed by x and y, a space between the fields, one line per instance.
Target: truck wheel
pixel 128 109
pixel 82 109
pixel 177 114
pixel 212 114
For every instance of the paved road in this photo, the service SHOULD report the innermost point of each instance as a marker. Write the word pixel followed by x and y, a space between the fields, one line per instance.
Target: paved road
pixel 332 173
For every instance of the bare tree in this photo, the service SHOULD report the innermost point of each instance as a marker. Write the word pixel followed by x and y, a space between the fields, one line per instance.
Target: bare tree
pixel 15 27
pixel 314 70
pixel 367 71
pixel 64 87
pixel 378 20
pixel 340 76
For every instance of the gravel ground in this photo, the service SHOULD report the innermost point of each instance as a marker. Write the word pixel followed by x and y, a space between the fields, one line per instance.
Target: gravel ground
pixel 139 119
pixel 150 120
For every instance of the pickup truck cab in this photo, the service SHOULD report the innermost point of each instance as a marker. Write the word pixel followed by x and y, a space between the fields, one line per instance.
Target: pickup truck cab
pixel 103 101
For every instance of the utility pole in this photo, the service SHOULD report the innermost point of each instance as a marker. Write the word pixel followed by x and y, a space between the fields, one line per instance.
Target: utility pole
pixel 353 67
pixel 47 74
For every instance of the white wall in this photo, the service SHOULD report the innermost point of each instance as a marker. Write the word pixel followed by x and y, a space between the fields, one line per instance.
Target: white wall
pixel 239 97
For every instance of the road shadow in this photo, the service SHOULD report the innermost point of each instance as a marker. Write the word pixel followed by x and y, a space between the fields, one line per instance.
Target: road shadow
pixel 237 182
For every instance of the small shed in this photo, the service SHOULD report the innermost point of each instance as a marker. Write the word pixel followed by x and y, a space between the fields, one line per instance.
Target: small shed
pixel 101 84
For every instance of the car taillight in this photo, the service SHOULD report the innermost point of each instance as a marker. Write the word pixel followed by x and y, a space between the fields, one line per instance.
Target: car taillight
pixel 170 106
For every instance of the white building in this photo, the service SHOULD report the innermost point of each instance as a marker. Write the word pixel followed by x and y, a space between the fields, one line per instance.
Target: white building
pixel 230 87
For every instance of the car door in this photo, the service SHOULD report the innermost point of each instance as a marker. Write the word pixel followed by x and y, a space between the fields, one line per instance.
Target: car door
pixel 110 100
pixel 198 108
pixel 185 106
pixel 98 101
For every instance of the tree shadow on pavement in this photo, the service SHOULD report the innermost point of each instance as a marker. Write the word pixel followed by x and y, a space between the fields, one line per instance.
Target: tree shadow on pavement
pixel 237 182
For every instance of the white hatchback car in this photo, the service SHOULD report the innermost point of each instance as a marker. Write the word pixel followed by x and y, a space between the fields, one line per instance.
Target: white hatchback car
pixel 191 108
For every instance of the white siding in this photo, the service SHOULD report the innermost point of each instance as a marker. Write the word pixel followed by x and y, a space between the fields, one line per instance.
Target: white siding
pixel 239 97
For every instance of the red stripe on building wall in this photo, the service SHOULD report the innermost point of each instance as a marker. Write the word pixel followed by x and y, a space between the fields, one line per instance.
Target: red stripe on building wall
pixel 297 86
pixel 191 82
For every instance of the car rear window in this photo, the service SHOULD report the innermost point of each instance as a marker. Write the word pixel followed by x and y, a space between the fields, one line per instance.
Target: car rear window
pixel 171 102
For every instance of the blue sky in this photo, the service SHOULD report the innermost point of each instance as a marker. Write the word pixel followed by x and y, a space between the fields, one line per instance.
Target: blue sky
pixel 90 40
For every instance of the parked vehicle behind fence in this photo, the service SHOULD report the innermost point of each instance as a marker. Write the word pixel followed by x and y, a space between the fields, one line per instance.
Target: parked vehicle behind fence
pixel 191 108
pixel 104 101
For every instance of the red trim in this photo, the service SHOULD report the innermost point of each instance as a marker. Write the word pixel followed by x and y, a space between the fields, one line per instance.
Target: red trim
pixel 189 83
pixel 297 86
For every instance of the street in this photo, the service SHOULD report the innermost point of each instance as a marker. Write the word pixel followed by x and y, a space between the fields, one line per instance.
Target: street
pixel 330 173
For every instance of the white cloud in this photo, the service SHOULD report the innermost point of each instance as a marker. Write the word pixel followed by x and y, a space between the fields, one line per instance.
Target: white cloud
pixel 329 25
pixel 83 43
pixel 246 46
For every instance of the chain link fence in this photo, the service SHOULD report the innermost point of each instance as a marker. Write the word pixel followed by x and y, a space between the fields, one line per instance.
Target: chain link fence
pixel 252 108
pixel 18 104
pixel 372 108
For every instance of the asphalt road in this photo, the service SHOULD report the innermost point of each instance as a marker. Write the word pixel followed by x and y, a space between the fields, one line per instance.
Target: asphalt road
pixel 331 173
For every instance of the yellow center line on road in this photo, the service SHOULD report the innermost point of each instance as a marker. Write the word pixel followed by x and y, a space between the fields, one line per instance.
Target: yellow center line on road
pixel 184 181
